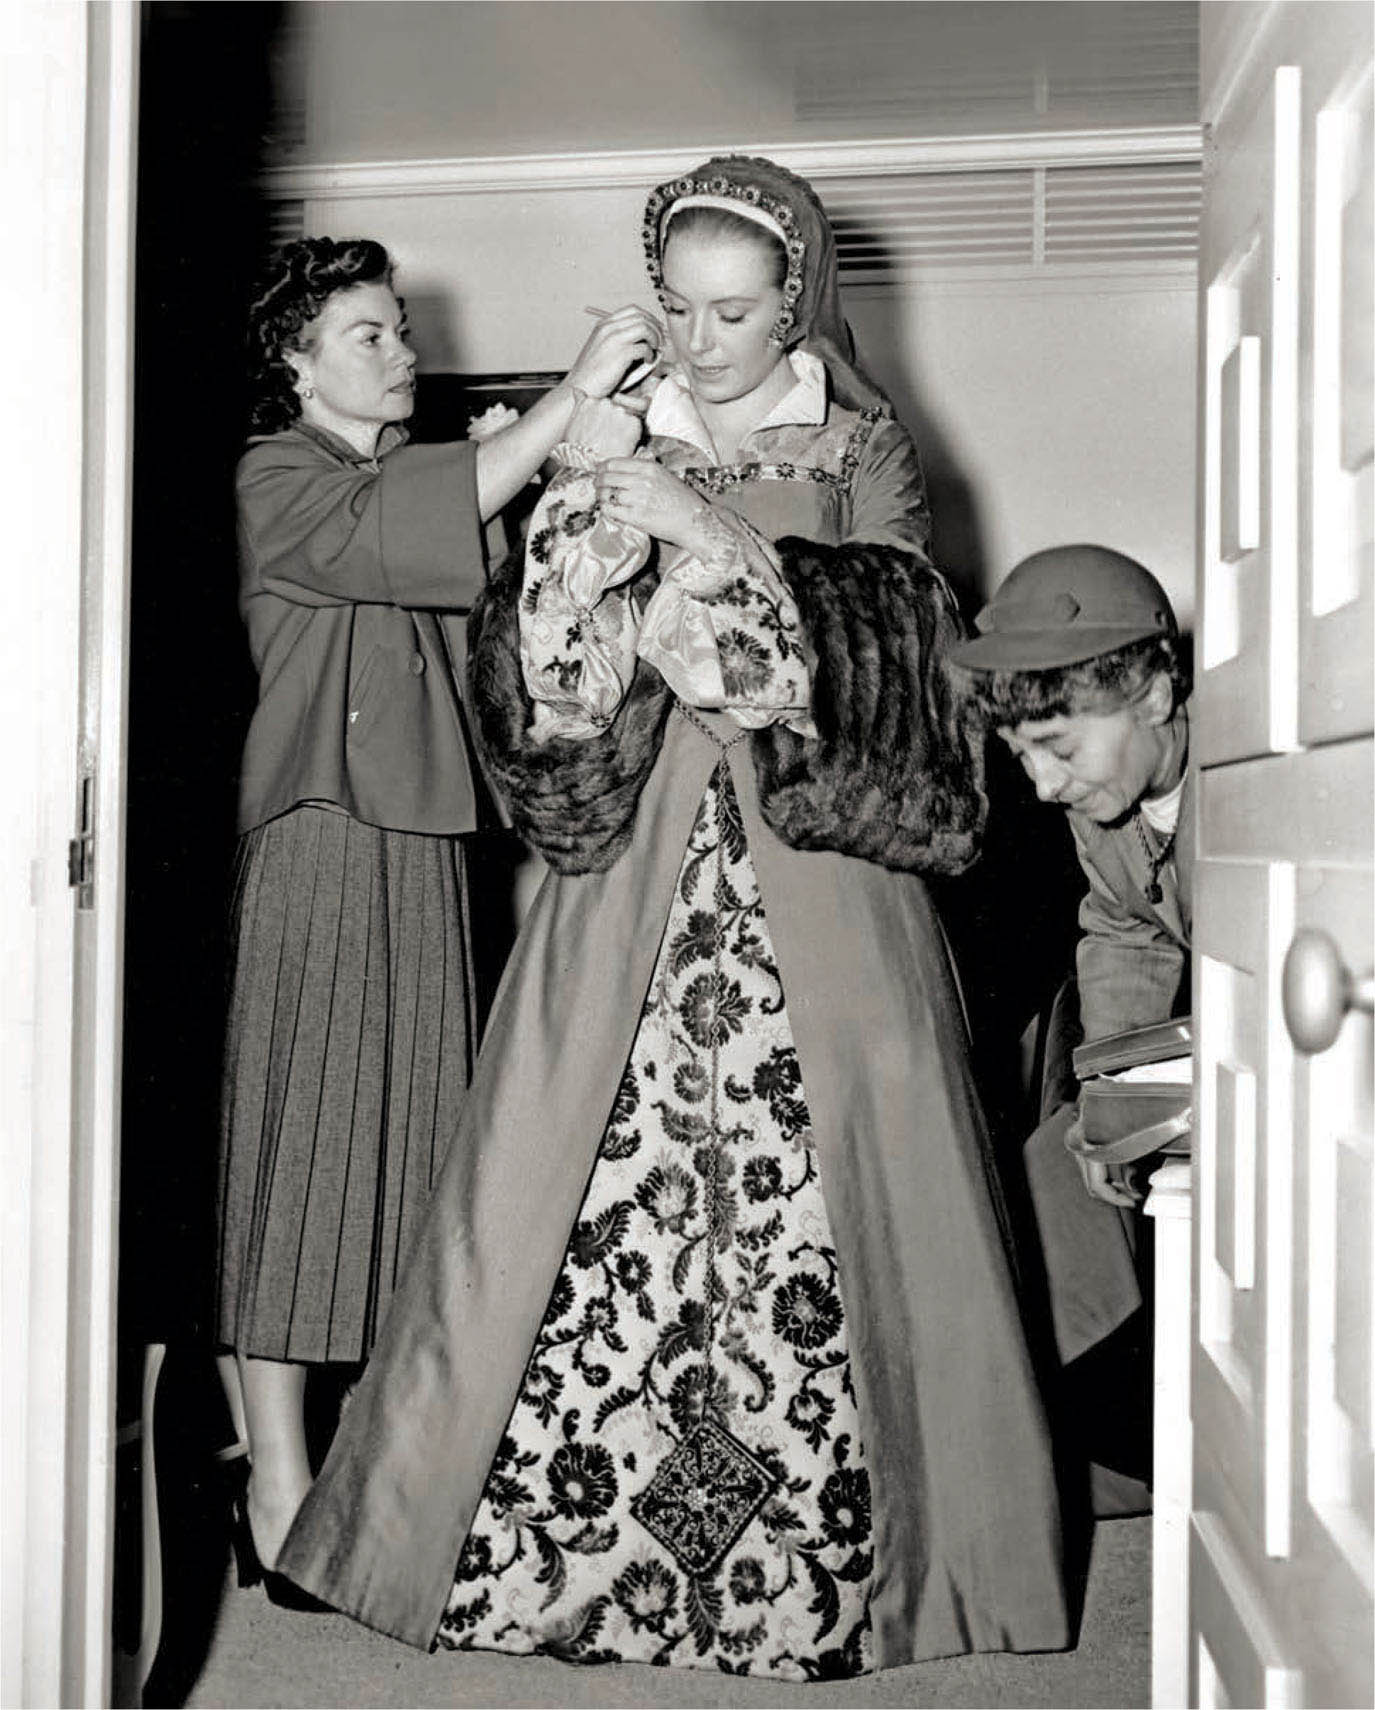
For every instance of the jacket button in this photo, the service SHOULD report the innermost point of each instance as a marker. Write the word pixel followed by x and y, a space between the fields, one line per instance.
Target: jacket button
pixel 417 664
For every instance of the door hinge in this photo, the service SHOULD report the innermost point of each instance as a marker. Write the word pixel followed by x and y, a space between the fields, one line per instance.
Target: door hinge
pixel 81 849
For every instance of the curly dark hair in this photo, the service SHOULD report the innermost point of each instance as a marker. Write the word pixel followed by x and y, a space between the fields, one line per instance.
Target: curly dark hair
pixel 1004 699
pixel 299 279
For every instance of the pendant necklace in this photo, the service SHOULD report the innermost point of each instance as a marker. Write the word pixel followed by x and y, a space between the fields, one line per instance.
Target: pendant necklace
pixel 1154 892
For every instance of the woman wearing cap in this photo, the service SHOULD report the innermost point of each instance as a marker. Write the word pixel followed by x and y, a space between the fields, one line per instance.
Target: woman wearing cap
pixel 1079 670
pixel 710 1354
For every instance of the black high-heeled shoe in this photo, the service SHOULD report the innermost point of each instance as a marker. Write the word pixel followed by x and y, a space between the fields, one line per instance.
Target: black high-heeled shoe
pixel 284 1592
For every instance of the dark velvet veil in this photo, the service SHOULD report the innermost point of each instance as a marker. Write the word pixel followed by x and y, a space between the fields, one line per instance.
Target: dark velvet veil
pixel 811 319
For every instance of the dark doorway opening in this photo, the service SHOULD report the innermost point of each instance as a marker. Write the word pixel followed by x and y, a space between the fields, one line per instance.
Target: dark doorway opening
pixel 213 93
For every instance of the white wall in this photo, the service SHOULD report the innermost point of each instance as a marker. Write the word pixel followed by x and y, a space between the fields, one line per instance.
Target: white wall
pixel 1067 408
pixel 407 81
pixel 1048 409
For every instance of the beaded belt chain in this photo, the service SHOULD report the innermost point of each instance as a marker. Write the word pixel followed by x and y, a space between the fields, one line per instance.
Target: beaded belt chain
pixel 702 1497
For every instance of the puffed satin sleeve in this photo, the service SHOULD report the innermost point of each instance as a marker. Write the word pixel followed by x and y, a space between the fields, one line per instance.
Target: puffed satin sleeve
pixel 578 622
pixel 724 633
pixel 889 493
pixel 721 629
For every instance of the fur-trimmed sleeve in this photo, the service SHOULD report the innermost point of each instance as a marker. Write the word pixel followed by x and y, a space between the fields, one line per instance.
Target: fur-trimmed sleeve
pixel 574 801
pixel 892 776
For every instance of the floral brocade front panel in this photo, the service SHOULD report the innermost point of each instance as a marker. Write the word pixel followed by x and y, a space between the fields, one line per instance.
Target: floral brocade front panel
pixel 682 1479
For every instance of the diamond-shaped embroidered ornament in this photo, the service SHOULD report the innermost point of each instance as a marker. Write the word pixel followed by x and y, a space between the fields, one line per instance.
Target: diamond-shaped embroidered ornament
pixel 702 1497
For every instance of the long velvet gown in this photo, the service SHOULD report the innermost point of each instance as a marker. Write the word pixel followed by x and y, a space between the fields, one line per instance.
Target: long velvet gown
pixel 710 1353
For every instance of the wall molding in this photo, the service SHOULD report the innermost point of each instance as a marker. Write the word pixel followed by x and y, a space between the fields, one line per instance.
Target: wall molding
pixel 1010 280
pixel 642 168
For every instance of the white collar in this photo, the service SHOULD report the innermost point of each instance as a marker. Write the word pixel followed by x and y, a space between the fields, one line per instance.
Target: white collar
pixel 673 414
pixel 1161 813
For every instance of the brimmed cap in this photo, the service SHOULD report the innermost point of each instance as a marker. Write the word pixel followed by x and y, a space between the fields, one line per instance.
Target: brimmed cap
pixel 1064 605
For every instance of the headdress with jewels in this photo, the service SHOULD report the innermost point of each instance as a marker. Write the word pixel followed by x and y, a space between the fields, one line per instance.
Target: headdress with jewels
pixel 811 317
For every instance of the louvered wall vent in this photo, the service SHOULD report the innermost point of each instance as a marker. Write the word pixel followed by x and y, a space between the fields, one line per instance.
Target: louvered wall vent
pixel 1044 218
pixel 1122 213
pixel 906 224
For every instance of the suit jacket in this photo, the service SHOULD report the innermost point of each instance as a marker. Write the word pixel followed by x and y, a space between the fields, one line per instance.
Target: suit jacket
pixel 1133 956
pixel 354 577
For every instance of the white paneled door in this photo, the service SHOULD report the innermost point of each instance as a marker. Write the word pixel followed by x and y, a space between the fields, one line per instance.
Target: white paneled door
pixel 1282 1536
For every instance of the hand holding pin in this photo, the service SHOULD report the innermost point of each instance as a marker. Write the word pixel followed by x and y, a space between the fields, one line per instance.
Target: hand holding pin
pixel 642 370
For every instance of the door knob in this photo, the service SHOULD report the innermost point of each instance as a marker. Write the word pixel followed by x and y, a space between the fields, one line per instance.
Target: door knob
pixel 1318 989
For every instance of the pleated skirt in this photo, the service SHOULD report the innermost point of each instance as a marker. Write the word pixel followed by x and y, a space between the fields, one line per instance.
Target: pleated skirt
pixel 349 1044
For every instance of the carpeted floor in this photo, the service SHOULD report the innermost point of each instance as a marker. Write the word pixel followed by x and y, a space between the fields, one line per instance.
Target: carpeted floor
pixel 260 1655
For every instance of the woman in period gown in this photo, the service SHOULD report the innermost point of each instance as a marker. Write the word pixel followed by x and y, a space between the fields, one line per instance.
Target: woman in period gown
pixel 710 1353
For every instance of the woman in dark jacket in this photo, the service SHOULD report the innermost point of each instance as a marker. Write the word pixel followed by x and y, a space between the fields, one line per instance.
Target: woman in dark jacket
pixel 350 1028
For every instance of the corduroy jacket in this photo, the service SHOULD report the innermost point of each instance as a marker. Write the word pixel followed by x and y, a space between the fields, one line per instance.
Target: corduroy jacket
pixel 355 576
